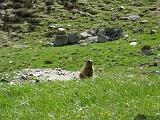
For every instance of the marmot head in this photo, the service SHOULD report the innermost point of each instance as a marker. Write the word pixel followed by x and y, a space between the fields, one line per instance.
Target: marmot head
pixel 89 63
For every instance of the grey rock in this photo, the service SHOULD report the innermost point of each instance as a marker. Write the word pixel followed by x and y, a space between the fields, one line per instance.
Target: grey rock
pixel 85 35
pixel 93 31
pixel 138 30
pixel 146 50
pixel 19 46
pixel 114 33
pixel 73 38
pixel 92 39
pixel 114 17
pixel 158 48
pixel 60 40
pixel 52 26
pixel 143 21
pixel 102 32
pixel 132 17
pixel 102 39
pixel 153 32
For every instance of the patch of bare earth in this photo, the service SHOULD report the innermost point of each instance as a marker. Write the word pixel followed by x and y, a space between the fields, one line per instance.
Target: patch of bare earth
pixel 45 74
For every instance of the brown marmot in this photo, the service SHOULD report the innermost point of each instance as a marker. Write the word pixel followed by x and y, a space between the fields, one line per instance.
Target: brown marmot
pixel 87 70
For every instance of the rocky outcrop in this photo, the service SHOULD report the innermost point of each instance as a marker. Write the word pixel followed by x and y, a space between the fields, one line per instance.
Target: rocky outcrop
pixel 94 35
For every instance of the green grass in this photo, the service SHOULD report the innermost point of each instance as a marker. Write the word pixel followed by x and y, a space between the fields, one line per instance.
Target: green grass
pixel 118 97
pixel 120 90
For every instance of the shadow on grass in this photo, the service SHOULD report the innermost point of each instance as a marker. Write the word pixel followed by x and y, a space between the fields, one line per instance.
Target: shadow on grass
pixel 145 117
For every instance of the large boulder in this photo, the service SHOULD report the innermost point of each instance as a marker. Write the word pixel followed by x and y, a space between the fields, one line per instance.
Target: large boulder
pixel 73 38
pixel 102 39
pixel 114 33
pixel 60 40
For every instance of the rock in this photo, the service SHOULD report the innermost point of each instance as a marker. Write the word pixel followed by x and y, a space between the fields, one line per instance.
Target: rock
pixel 126 36
pixel 133 43
pixel 92 39
pixel 93 31
pixel 146 50
pixel 62 29
pixel 158 48
pixel 52 26
pixel 154 64
pixel 138 30
pixel 114 17
pixel 153 8
pixel 102 39
pixel 121 8
pixel 102 32
pixel 143 21
pixel 153 32
pixel 132 17
pixel 60 40
pixel 85 35
pixel 73 38
pixel 114 33
pixel 20 46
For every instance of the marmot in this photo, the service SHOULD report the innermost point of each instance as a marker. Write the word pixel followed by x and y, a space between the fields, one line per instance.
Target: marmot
pixel 87 70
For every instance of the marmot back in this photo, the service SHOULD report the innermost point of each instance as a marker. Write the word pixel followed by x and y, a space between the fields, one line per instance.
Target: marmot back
pixel 87 70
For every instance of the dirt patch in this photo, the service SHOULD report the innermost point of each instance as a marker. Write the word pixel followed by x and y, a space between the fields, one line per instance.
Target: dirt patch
pixel 40 75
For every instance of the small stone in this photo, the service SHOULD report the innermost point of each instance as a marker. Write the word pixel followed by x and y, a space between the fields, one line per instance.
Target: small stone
pixel 146 50
pixel 114 17
pixel 126 36
pixel 52 26
pixel 132 17
pixel 143 21
pixel 10 62
pixel 138 30
pixel 153 32
pixel 61 29
pixel 11 83
pixel 133 43
pixel 122 8
pixel 158 48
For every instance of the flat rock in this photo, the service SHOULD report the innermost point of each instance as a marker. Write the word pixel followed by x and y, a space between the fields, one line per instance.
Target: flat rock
pixel 132 17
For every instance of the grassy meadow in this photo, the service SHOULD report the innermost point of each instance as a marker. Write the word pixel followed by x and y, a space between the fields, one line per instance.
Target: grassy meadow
pixel 121 89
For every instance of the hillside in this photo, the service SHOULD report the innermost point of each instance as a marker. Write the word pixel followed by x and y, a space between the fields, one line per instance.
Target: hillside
pixel 122 37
